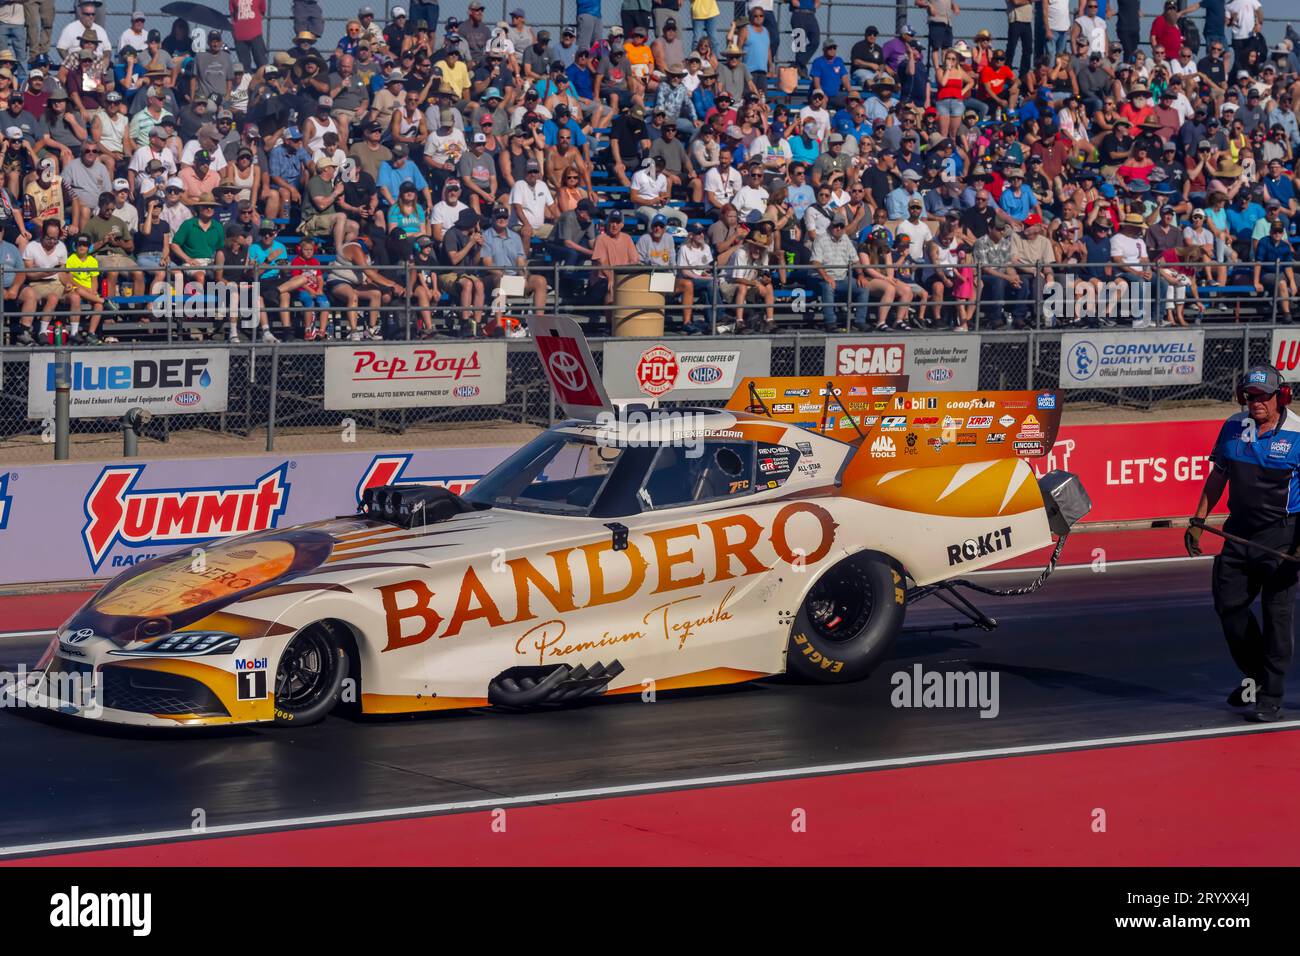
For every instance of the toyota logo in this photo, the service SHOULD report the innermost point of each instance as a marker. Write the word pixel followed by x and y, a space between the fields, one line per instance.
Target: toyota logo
pixel 79 637
pixel 567 371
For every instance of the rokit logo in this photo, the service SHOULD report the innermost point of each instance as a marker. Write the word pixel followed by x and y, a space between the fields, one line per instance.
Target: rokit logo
pixel 117 513
pixel 883 447
pixel 390 470
pixel 981 547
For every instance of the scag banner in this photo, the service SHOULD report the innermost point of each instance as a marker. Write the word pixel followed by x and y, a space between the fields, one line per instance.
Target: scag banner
pixel 1123 359
pixel 413 375
pixel 106 383
pixel 675 370
pixel 931 362
pixel 1137 470
pixel 112 516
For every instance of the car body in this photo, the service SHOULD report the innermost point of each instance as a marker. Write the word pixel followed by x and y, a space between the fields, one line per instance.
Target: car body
pixel 606 556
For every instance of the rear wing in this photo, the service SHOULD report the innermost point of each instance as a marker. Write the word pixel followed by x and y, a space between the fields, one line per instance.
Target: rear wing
pixel 958 428
pixel 844 407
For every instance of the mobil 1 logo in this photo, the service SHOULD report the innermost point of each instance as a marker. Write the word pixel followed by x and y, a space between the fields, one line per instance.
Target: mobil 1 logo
pixel 250 678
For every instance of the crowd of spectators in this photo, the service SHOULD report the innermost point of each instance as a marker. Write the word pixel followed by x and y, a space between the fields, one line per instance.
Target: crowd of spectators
pixel 435 169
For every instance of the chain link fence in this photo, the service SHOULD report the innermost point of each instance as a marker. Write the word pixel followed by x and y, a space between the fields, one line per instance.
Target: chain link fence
pixel 276 397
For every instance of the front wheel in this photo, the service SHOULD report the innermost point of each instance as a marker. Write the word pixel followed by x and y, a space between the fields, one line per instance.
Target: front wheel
pixel 310 676
pixel 848 621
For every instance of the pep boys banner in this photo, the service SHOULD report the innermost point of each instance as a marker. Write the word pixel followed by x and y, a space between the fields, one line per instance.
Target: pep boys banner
pixel 72 521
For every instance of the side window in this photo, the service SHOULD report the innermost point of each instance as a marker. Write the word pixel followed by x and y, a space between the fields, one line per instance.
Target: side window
pixel 682 476
pixel 775 465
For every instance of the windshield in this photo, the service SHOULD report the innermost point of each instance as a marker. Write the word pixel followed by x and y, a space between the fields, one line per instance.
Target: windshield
pixel 554 473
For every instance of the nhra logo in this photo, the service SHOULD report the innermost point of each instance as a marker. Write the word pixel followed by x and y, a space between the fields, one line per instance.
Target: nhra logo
pixel 388 470
pixel 117 513
pixel 940 373
pixel 5 500
pixel 465 391
pixel 704 374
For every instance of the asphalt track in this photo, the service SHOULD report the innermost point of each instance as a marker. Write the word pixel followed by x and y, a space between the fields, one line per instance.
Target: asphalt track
pixel 1132 651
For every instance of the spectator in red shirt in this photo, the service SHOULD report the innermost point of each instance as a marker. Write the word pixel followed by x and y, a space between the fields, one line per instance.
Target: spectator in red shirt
pixel 998 84
pixel 1164 29
pixel 246 26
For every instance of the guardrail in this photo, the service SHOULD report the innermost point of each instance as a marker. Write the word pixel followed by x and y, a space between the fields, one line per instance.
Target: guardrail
pixel 276 393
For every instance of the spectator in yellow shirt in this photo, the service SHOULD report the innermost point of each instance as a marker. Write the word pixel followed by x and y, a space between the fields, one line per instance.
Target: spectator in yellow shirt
pixel 82 277
pixel 454 73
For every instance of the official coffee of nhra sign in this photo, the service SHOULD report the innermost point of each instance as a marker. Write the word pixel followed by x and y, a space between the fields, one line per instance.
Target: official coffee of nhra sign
pixel 414 375
pixel 1140 357
pixel 1136 470
pixel 932 362
pixel 663 370
pixel 107 383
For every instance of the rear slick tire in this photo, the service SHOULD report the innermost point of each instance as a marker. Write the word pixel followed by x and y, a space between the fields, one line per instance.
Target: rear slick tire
pixel 848 620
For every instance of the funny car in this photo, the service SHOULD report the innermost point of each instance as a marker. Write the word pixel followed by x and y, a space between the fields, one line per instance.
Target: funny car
pixel 625 547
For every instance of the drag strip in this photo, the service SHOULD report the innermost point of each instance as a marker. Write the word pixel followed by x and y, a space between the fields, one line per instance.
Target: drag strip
pixel 1129 653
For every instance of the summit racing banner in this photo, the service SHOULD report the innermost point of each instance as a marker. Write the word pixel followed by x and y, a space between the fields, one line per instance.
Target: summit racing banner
pixel 933 362
pixel 121 513
pixel 1121 359
pixel 106 383
pixel 412 375
pixel 673 370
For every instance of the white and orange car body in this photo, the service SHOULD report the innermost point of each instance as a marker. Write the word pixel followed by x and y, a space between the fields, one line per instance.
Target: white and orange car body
pixel 700 594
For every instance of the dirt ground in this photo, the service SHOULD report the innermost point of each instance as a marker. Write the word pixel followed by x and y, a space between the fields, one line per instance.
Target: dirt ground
pixel 107 445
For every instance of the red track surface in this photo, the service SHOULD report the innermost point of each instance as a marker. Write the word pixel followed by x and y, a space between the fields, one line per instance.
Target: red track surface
pixel 1172 804
pixel 36 612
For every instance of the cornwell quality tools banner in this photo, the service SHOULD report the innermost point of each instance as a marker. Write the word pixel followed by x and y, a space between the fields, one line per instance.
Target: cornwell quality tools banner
pixel 1122 359
pixel 672 370
pixel 107 383
pixel 931 362
pixel 414 375
pixel 114 515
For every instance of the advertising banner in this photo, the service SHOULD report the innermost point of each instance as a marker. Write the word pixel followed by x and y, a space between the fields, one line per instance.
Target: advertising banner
pixel 107 383
pixel 1136 470
pixel 931 362
pixel 414 375
pixel 1285 351
pixel 112 516
pixel 1124 359
pixel 674 369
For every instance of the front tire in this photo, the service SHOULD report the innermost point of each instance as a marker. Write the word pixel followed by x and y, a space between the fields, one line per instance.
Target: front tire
pixel 310 676
pixel 848 620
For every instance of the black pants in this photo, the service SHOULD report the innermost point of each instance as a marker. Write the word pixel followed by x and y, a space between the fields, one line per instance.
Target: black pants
pixel 1022 35
pixel 812 36
pixel 1129 41
pixel 1261 650
pixel 251 53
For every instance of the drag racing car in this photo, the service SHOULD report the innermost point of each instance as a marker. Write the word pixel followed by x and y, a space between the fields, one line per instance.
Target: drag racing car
pixel 624 548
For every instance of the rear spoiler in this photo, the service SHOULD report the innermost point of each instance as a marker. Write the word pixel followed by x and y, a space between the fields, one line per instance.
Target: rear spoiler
pixel 844 407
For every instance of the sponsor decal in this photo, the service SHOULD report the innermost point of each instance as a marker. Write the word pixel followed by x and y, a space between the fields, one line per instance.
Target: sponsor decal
pixel 882 359
pixel 805 448
pixel 911 444
pixel 882 390
pixel 950 422
pixel 6 500
pixel 883 447
pixel 567 370
pixel 1006 421
pixel 250 664
pixel 1015 403
pixel 705 374
pixel 893 423
pixel 915 402
pixel 868 420
pixel 980 421
pixel 858 390
pixel 973 403
pixel 1279 447
pixel 823 392
pixel 879 406
pixel 997 438
pixel 1046 400
pixel 119 513
pixel 783 408
pixel 186 399
pixel 797 392
pixel 931 421
pixel 967 439
pixel 1028 449
pixel 979 547
pixel 466 391
pixel 656 370
pixel 939 373
pixel 765 393
pixel 390 470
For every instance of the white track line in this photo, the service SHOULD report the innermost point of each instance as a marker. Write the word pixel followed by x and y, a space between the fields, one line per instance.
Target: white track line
pixel 562 796
pixel 46 631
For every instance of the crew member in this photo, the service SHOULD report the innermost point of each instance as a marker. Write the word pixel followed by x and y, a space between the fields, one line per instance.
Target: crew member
pixel 1257 456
